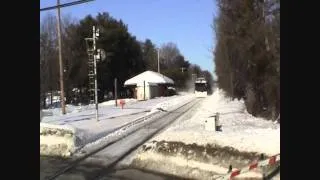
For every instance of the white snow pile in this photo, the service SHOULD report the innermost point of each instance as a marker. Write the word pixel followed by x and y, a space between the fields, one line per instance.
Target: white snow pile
pixel 240 130
pixel 56 140
pixel 188 168
pixel 62 140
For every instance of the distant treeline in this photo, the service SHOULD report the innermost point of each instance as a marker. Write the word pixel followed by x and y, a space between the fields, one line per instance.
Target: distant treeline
pixel 247 53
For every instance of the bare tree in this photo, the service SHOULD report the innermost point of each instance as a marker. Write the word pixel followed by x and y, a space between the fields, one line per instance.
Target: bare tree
pixel 49 67
pixel 247 53
pixel 49 79
pixel 168 53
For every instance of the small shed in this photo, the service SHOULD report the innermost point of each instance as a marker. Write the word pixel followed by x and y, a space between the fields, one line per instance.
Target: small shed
pixel 149 84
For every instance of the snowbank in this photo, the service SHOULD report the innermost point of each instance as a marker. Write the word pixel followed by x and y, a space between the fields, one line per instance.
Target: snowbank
pixel 186 168
pixel 56 139
pixel 190 149
pixel 240 130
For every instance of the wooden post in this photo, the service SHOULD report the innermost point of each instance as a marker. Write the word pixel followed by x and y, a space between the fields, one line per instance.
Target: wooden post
pixel 217 122
pixel 144 90
pixel 41 114
pixel 230 168
pixel 115 92
pixel 63 105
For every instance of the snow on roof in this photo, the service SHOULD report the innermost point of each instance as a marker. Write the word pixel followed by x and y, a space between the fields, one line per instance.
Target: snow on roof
pixel 149 77
pixel 147 84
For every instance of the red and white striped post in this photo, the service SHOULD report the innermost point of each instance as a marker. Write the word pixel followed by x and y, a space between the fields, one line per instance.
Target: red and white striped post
pixel 270 161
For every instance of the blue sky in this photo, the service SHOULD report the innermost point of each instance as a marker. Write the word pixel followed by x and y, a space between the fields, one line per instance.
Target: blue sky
pixel 184 22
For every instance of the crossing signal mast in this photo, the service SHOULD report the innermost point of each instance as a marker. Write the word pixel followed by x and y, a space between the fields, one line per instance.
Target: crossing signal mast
pixel 94 55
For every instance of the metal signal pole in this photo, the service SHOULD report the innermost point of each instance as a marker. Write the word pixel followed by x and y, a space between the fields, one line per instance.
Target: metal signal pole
pixel 94 56
pixel 95 71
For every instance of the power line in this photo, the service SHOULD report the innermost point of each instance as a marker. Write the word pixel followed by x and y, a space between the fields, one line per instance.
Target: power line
pixel 65 5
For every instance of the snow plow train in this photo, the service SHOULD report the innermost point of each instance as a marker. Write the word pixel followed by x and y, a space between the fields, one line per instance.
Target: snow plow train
pixel 201 88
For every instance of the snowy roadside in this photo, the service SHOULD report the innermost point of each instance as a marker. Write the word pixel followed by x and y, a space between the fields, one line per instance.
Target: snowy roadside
pixel 240 130
pixel 55 113
pixel 155 113
pixel 203 153
pixel 87 132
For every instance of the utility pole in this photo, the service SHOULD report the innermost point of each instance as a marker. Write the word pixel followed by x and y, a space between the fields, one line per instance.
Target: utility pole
pixel 158 60
pixel 63 106
pixel 58 6
pixel 182 69
pixel 115 91
pixel 264 19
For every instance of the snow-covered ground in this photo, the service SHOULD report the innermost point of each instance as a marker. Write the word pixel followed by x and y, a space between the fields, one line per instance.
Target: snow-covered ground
pixel 87 130
pixel 71 109
pixel 240 130
pixel 93 136
pixel 191 149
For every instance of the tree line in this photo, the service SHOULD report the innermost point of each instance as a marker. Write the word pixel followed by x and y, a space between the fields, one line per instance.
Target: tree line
pixel 247 53
pixel 125 57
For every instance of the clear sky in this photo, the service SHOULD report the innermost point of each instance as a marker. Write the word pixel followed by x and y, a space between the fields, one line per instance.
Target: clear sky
pixel 184 22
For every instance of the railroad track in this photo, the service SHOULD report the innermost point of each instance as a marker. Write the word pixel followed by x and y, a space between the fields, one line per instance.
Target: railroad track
pixel 167 118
